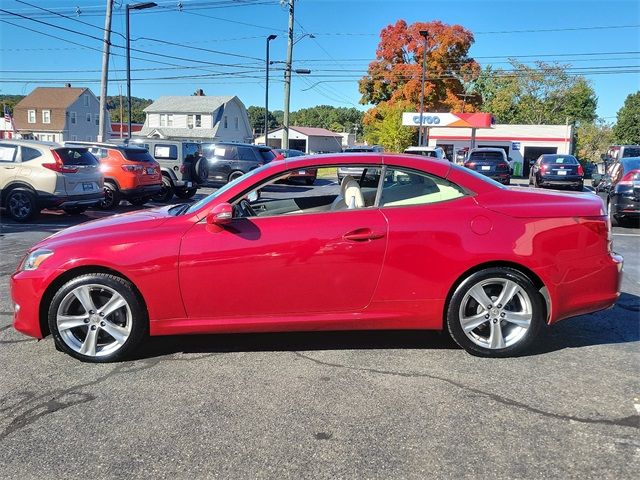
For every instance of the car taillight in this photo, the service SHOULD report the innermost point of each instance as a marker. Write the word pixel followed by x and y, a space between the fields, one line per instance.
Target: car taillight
pixel 470 164
pixel 580 170
pixel 133 168
pixel 630 177
pixel 59 166
pixel 544 168
pixel 502 166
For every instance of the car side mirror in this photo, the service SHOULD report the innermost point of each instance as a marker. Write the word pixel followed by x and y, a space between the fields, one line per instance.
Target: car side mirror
pixel 221 214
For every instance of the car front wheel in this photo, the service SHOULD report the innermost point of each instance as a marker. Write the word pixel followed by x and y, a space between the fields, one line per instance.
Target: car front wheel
pixel 496 312
pixel 97 317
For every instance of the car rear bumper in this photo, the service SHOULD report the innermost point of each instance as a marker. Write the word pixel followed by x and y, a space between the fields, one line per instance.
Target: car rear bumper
pixel 142 191
pixel 625 206
pixel 559 180
pixel 53 201
pixel 587 287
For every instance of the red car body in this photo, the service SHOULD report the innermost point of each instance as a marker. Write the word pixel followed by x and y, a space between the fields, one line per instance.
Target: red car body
pixel 305 274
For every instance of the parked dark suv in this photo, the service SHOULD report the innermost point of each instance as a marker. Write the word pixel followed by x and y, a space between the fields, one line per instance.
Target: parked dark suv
pixel 491 162
pixel 620 190
pixel 226 161
pixel 180 165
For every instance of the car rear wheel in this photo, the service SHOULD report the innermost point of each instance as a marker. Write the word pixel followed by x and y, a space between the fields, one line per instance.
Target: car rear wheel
pixel 21 205
pixel 111 197
pixel 166 192
pixel 235 174
pixel 186 193
pixel 97 317
pixel 496 312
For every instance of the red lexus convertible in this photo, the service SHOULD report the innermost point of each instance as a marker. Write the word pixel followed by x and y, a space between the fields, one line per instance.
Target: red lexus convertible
pixel 412 243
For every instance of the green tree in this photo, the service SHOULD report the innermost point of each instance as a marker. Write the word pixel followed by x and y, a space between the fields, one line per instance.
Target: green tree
pixel 337 119
pixel 593 139
pixel 10 101
pixel 383 126
pixel 137 108
pixel 256 119
pixel 626 131
pixel 540 94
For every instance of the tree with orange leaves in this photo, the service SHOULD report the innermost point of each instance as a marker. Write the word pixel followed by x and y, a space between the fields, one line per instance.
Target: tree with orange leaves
pixel 394 77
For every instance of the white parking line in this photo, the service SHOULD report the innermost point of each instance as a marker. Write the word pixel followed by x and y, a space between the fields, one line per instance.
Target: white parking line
pixel 627 234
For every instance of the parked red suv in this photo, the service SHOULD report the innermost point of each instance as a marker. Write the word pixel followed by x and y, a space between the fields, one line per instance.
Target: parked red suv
pixel 130 173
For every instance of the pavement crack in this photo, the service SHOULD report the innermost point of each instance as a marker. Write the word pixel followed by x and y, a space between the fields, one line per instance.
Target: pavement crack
pixel 632 421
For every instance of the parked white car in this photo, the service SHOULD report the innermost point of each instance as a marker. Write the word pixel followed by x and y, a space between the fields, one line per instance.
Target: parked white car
pixel 433 152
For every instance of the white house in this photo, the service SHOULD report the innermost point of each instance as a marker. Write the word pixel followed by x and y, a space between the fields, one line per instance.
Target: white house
pixel 197 117
pixel 306 139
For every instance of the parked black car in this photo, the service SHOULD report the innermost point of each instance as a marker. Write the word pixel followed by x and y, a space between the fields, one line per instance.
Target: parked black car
pixel 491 162
pixel 226 161
pixel 620 190
pixel 180 165
pixel 555 170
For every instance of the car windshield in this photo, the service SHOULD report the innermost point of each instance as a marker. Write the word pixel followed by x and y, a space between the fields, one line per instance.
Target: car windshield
pixel 179 209
pixel 631 164
pixel 631 152
pixel 424 153
pixel 560 160
pixel 76 156
pixel 137 155
pixel 477 175
pixel 481 156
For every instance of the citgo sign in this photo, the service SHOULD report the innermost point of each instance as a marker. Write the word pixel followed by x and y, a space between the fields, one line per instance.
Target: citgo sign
pixel 435 119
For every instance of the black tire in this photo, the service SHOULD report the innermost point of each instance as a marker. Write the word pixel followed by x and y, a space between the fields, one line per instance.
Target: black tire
pixel 131 317
pixel 186 193
pixel 235 174
pixel 75 210
pixel 526 300
pixel 21 204
pixel 201 171
pixel 166 192
pixel 138 202
pixel 111 197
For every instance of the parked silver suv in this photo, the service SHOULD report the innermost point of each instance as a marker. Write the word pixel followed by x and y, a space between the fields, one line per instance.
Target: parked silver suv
pixel 36 175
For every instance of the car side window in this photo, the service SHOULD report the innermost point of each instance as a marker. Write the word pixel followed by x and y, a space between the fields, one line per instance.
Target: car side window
pixel 8 153
pixel 405 187
pixel 167 152
pixel 246 154
pixel 30 154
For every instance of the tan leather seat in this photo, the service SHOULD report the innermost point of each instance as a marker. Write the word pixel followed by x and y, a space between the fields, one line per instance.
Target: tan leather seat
pixel 350 195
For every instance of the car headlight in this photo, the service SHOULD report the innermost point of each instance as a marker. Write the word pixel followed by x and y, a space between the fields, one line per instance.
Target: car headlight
pixel 35 258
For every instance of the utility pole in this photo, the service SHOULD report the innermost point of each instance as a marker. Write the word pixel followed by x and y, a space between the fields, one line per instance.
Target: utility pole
pixel 424 35
pixel 104 80
pixel 266 93
pixel 287 80
pixel 121 112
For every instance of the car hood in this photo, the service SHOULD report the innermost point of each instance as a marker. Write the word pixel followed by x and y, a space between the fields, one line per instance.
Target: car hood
pixel 522 202
pixel 125 222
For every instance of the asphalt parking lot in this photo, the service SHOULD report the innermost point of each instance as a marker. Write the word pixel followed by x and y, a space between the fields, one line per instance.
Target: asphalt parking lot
pixel 324 405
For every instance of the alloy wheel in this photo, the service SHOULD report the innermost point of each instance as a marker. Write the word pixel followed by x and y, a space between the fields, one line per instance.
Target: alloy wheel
pixel 19 205
pixel 94 320
pixel 496 313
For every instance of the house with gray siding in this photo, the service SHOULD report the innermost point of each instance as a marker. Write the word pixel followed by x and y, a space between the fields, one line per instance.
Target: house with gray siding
pixel 197 117
pixel 59 114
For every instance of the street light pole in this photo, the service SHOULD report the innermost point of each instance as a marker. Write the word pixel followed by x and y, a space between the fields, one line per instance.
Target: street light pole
pixel 135 6
pixel 424 35
pixel 266 94
pixel 287 80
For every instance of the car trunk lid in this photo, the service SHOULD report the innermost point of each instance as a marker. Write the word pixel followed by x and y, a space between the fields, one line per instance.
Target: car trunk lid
pixel 80 170
pixel 528 203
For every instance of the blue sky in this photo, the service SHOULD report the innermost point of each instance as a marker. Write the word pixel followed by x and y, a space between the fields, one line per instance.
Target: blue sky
pixel 601 36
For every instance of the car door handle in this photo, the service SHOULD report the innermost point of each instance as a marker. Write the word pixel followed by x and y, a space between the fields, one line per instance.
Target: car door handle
pixel 362 235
